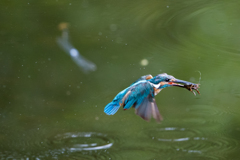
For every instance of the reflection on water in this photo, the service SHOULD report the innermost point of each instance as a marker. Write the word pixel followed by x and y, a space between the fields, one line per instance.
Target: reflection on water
pixel 50 110
pixel 65 44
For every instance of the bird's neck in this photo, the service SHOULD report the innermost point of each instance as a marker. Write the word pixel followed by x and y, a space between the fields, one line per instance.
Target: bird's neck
pixel 156 86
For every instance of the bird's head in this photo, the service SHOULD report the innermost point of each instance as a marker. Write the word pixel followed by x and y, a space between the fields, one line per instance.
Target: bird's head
pixel 164 80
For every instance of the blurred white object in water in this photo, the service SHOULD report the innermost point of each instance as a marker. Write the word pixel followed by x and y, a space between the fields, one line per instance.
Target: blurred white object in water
pixel 65 44
pixel 74 52
pixel 144 62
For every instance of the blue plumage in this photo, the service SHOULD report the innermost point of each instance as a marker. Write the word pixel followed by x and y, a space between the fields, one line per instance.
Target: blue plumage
pixel 137 92
pixel 140 95
pixel 111 108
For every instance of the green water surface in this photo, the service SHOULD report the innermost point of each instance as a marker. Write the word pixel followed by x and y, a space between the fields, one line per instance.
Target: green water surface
pixel 50 109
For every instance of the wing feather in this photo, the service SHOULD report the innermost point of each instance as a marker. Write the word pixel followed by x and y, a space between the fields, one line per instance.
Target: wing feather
pixel 148 108
pixel 136 94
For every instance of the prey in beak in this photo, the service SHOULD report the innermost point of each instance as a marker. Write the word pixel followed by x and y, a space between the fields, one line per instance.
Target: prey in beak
pixel 184 84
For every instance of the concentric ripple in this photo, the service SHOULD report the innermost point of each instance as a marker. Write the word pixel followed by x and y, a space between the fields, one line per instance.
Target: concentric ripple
pixel 193 141
pixel 83 141
pixel 190 30
pixel 82 145
pixel 196 25
pixel 196 157
pixel 207 115
pixel 175 134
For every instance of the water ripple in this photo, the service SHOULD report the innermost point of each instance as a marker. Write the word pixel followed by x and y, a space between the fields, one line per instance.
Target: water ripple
pixel 81 145
pixel 83 141
pixel 196 157
pixel 192 28
pixel 193 141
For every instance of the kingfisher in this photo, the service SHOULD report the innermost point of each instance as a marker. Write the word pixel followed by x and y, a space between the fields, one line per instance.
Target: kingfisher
pixel 140 95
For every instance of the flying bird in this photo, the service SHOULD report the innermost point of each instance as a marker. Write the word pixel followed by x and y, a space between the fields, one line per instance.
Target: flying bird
pixel 141 95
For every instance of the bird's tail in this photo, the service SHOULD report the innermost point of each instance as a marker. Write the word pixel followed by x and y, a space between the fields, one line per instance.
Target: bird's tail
pixel 111 108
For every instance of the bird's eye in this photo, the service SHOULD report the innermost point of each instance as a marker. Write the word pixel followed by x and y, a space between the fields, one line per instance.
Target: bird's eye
pixel 167 80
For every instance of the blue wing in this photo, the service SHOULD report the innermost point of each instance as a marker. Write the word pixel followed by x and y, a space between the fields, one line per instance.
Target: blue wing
pixel 113 106
pixel 141 97
pixel 136 93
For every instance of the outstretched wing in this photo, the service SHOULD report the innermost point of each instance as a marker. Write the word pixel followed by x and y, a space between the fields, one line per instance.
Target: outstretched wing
pixel 148 108
pixel 121 94
pixel 136 93
pixel 141 97
pixel 113 106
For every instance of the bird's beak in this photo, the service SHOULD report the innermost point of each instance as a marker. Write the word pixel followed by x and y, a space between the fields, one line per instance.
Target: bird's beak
pixel 179 83
pixel 185 84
